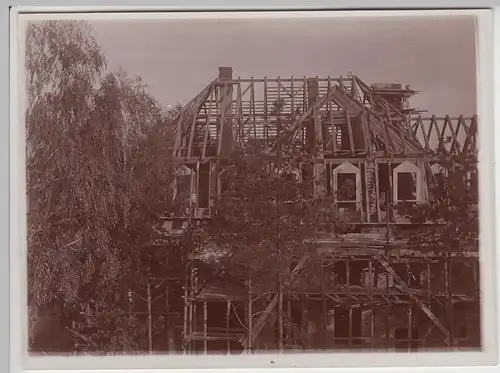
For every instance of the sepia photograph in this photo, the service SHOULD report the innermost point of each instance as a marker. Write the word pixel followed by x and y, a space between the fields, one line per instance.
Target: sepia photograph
pixel 252 185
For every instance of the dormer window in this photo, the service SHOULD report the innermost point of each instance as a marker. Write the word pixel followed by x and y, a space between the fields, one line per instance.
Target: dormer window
pixel 407 183
pixel 347 187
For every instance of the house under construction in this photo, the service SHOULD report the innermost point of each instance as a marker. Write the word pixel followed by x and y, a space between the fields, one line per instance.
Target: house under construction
pixel 377 291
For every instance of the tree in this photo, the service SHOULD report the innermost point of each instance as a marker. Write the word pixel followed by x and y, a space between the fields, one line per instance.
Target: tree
pixel 453 206
pixel 266 219
pixel 98 173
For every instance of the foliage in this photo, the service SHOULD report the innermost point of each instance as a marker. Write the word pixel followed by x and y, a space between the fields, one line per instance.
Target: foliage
pixel 453 207
pixel 266 218
pixel 98 173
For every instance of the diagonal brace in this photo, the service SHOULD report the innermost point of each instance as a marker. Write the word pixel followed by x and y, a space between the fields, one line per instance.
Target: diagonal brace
pixel 407 290
pixel 246 342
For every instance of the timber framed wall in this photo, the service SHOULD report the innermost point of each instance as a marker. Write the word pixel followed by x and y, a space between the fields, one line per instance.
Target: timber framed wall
pixel 375 291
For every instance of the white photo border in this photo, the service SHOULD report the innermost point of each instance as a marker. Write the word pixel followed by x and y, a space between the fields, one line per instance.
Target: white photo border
pixel 490 286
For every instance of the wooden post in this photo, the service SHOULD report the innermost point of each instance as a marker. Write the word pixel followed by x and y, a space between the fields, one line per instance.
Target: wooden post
pixel 372 305
pixel 150 320
pixel 205 326
pixel 350 325
pixel 250 311
pixel 207 126
pixel 280 318
pixel 226 138
pixel 252 101
pixel 185 328
pixel 303 325
pixel 449 304
pixel 323 299
pixel 228 313
pixel 409 307
pixel 410 326
pixel 266 112
pixel 367 195
pixel 377 189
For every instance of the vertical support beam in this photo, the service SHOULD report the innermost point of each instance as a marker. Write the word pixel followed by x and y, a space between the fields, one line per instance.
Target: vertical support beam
pixel 289 318
pixel 205 326
pixel 323 299
pixel 365 124
pixel 238 131
pixel 350 325
pixel 449 301
pixel 207 126
pixel 280 319
pixel 228 313
pixel 410 325
pixel 150 320
pixel 390 197
pixel 349 130
pixel 186 300
pixel 210 188
pixel 477 294
pixel 191 135
pixel 197 189
pixel 303 326
pixel 249 316
pixel 409 306
pixel 348 282
pixel 252 105
pixel 266 112
pixel 348 277
pixel 367 197
pixel 377 189
pixel 330 118
pixel 312 96
pixel 372 305
pixel 226 135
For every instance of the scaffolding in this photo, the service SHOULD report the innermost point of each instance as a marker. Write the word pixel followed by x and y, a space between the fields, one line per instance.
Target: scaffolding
pixel 375 290
pixel 365 300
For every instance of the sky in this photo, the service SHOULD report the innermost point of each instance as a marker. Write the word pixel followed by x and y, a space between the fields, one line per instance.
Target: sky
pixel 177 58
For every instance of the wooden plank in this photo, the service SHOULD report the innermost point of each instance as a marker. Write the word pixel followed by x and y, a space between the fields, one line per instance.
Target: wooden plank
pixel 407 290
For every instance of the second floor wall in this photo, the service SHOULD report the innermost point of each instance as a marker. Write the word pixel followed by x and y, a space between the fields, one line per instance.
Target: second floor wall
pixel 363 191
